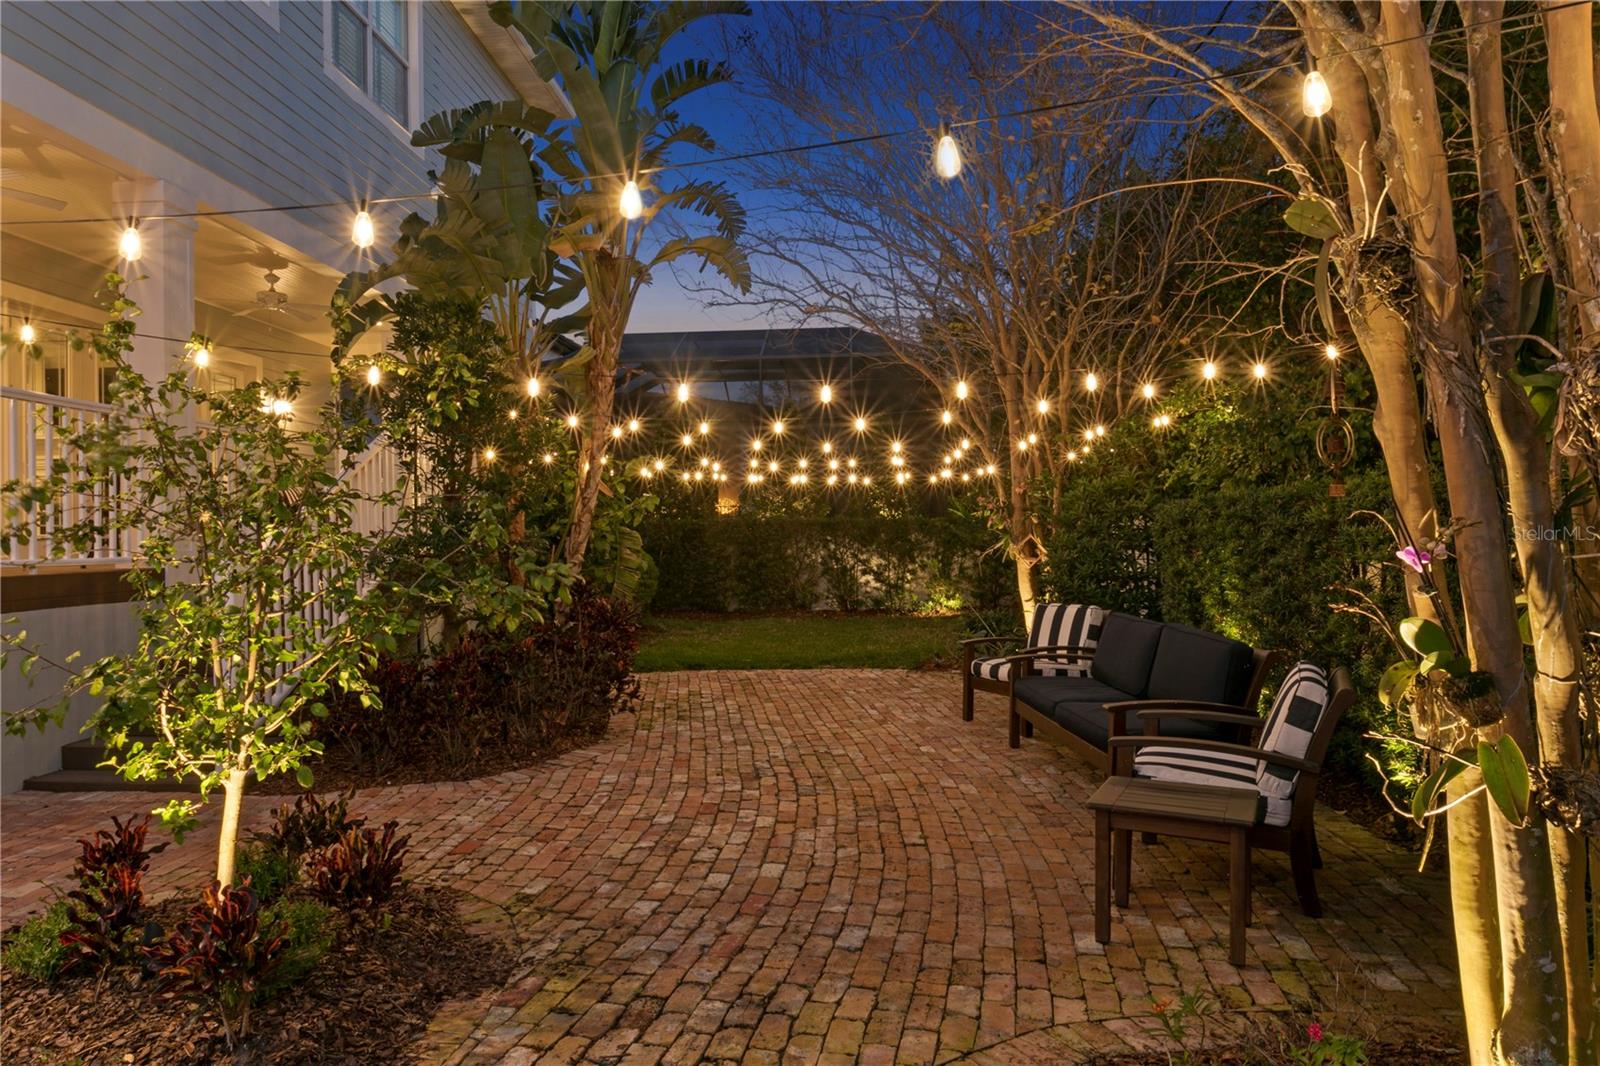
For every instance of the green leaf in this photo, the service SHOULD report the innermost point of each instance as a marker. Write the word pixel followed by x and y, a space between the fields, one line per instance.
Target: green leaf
pixel 305 777
pixel 1505 775
pixel 1313 218
pixel 1424 636
pixel 1396 682
pixel 1422 800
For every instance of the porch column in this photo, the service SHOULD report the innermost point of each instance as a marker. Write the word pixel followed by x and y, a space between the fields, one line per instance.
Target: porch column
pixel 162 281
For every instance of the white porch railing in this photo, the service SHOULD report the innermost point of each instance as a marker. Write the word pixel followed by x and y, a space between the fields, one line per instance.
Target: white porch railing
pixel 33 428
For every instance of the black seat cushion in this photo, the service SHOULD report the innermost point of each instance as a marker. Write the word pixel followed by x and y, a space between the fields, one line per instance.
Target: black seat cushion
pixel 1086 721
pixel 1126 650
pixel 1192 664
pixel 1044 693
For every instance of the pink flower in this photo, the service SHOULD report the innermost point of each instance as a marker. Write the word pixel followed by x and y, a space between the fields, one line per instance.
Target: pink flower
pixel 1314 1031
pixel 1414 558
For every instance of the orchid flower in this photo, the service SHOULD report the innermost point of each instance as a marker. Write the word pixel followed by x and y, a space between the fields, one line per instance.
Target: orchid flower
pixel 1414 558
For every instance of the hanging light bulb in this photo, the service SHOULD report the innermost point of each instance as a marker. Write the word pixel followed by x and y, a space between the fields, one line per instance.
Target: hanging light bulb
pixel 660 464
pixel 131 245
pixel 488 455
pixel 966 442
pixel 282 408
pixel 773 466
pixel 548 457
pixel 1315 98
pixel 1099 431
pixel 1091 381
pixel 901 477
pixel 1022 445
pixel 1043 406
pixel 374 374
pixel 860 424
pixel 534 388
pixel 705 461
pixel 512 414
pixel 1088 434
pixel 755 445
pixel 572 421
pixel 777 427
pixel 833 479
pixel 896 447
pixel 1209 371
pixel 1033 438
pixel 1149 391
pixel 202 359
pixel 1072 456
pixel 1260 371
pixel 646 473
pixel 704 428
pixel 826 395
pixel 630 203
pixel 362 232
pixel 827 447
pixel 946 155
pixel 616 432
pixel 946 417
pixel 961 390
pixel 1331 351
pixel 851 463
pixel 683 392
pixel 27 335
pixel 687 440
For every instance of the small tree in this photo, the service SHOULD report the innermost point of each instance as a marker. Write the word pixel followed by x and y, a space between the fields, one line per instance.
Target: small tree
pixel 247 570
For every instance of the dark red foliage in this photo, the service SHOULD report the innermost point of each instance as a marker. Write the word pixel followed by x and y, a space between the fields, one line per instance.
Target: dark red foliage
pixel 361 871
pixel 108 904
pixel 310 824
pixel 495 693
pixel 219 955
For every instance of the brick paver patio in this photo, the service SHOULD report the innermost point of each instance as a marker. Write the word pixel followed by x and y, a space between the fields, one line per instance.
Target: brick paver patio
pixel 793 866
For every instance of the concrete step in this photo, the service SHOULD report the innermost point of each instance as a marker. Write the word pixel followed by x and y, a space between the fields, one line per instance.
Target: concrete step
pixel 101 781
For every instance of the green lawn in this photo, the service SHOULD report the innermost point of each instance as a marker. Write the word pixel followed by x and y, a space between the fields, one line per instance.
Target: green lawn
pixel 793 641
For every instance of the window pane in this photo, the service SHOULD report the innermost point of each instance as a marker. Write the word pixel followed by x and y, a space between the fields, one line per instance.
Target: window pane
pixel 349 44
pixel 389 20
pixel 389 83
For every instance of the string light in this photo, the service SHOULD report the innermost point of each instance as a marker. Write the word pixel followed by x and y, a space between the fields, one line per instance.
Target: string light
pixel 933 479
pixel 1072 456
pixel 660 465
pixel 1260 371
pixel 634 425
pixel 1316 99
pixel 777 427
pixel 572 421
pixel 866 479
pixel 488 455
pixel 687 440
pixel 131 245
pixel 704 462
pixel 773 466
pixel 990 470
pixel 704 428
pixel 1149 391
pixel 827 447
pixel 202 355
pixel 362 232
pixel 548 457
pixel 534 388
pixel 1043 406
pixel 27 334
pixel 755 445
pixel 630 204
pixel 646 473
pixel 901 477
pixel 1099 431
pixel 616 432
pixel 860 424
pixel 966 443
pixel 1088 434
pixel 1022 445
pixel 851 463
pixel 1033 438
pixel 946 155
pixel 802 463
pixel 946 417
pixel 1331 351
pixel 897 460
pixel 374 374
pixel 826 395
pixel 1091 382
pixel 282 408
pixel 961 390
pixel 896 447
pixel 1209 371
pixel 683 392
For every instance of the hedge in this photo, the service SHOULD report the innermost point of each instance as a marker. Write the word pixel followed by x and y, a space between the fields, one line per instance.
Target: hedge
pixel 749 563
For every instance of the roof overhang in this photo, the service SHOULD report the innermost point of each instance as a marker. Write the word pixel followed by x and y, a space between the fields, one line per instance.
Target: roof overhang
pixel 513 58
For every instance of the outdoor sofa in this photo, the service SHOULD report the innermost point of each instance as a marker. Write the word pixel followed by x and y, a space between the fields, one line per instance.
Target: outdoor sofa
pixel 1136 665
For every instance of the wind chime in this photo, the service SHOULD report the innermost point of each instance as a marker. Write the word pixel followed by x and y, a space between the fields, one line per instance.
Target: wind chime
pixel 1336 440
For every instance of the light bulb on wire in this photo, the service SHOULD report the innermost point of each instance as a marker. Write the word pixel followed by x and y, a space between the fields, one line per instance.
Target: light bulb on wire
pixel 1260 371
pixel 1316 99
pixel 28 335
pixel 630 204
pixel 683 392
pixel 374 373
pixel 946 155
pixel 1149 391
pixel 534 388
pixel 1209 371
pixel 1091 382
pixel 826 395
pixel 131 246
pixel 962 392
pixel 362 231
pixel 1331 351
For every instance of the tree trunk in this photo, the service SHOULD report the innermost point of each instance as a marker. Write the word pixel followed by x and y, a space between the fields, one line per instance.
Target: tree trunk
pixel 1533 1017
pixel 1557 642
pixel 609 295
pixel 228 837
pixel 1475 911
pixel 1575 135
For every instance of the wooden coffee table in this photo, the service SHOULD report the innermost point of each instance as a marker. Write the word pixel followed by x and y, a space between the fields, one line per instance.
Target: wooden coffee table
pixel 1125 805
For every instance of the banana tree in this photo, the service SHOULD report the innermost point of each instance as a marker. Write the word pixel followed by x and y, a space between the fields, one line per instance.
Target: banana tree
pixel 608 57
pixel 488 241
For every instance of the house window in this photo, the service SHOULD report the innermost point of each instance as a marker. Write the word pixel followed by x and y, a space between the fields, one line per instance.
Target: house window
pixel 370 43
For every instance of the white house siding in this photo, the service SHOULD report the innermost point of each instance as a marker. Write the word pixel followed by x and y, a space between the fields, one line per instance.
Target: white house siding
pixel 245 96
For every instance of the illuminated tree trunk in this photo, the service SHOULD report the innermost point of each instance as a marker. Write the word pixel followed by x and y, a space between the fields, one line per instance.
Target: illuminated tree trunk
pixel 1557 642
pixel 610 291
pixel 1533 1024
pixel 228 837
pixel 1575 136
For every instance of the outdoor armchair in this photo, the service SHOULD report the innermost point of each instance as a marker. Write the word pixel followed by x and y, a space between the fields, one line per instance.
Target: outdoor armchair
pixel 1060 643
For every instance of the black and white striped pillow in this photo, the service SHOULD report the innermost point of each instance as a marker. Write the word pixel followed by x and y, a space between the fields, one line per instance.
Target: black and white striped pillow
pixel 1290 724
pixel 1073 624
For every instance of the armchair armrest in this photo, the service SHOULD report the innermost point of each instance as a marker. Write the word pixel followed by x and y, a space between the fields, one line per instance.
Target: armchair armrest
pixel 1144 707
pixel 1060 651
pixel 1248 721
pixel 972 642
pixel 1303 765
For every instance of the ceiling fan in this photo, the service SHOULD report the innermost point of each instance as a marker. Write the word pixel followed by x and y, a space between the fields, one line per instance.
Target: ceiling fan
pixel 273 301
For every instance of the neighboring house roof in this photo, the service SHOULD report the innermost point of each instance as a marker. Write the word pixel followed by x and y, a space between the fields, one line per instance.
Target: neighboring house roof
pixel 513 58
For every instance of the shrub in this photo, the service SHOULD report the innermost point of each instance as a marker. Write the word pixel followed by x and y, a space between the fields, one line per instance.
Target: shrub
pixel 36 949
pixel 221 955
pixel 306 929
pixel 520 693
pixel 361 871
pixel 106 908
pixel 268 869
pixel 308 825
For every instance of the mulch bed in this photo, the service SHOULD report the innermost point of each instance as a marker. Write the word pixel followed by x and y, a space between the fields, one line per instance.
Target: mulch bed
pixel 1424 1051
pixel 370 997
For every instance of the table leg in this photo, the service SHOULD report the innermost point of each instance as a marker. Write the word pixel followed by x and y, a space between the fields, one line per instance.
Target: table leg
pixel 1102 876
pixel 1121 863
pixel 1239 895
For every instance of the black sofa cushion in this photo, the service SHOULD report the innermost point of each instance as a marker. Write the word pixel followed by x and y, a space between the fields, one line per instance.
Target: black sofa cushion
pixel 1043 694
pixel 1192 664
pixel 1127 648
